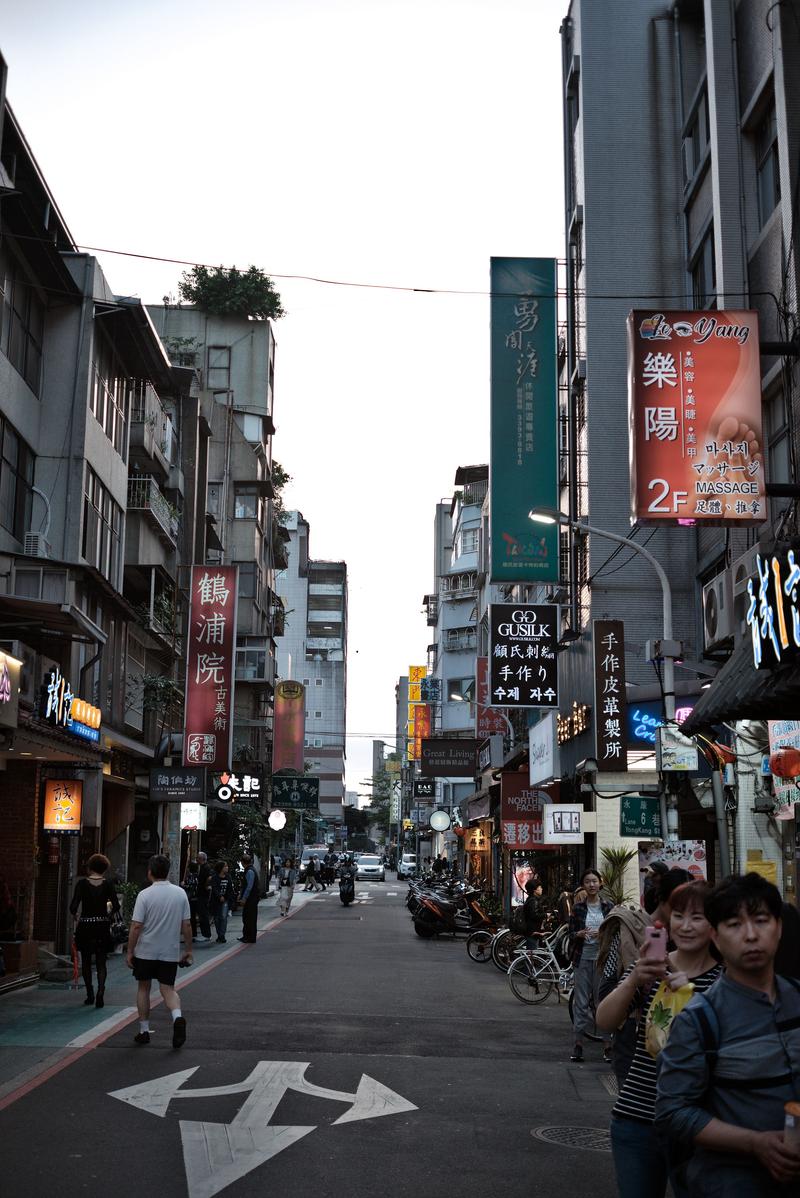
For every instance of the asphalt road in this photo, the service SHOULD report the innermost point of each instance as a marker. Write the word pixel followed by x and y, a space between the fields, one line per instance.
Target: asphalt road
pixel 340 1055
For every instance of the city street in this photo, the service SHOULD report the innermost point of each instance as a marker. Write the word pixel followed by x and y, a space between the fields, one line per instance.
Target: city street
pixel 340 1054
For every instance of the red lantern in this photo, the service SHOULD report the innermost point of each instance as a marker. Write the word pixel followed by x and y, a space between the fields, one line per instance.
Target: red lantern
pixel 785 763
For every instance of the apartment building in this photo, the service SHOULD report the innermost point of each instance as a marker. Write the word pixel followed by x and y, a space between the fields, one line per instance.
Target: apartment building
pixel 313 650
pixel 681 163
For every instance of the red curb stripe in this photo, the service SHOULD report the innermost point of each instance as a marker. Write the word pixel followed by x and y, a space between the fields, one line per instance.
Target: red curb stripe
pixel 51 1071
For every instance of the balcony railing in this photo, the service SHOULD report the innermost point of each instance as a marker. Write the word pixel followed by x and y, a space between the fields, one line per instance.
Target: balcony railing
pixel 146 408
pixel 431 610
pixel 145 496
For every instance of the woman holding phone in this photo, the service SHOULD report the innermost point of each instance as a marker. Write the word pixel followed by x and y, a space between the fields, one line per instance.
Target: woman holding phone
pixel 641 1159
pixel 584 926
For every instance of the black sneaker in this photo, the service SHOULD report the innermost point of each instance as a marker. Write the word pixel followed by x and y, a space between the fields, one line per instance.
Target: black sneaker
pixel 577 1053
pixel 141 1038
pixel 178 1032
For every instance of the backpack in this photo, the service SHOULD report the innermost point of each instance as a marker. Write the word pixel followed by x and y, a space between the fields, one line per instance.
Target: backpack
pixel 518 923
pixel 631 929
pixel 708 1023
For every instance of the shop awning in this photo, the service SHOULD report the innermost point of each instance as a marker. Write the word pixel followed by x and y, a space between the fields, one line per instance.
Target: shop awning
pixel 38 623
pixel 741 692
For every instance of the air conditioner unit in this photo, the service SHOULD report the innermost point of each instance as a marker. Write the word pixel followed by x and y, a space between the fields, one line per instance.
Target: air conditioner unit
pixel 35 545
pixel 718 610
pixel 742 569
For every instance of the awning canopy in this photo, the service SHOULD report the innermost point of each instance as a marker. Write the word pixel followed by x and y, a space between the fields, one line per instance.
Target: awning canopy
pixel 40 624
pixel 741 692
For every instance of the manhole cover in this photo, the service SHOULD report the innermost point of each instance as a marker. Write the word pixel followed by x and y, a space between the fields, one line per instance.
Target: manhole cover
pixel 591 1139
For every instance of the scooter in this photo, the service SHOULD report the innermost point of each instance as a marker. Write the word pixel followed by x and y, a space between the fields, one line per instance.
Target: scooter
pixel 437 916
pixel 347 885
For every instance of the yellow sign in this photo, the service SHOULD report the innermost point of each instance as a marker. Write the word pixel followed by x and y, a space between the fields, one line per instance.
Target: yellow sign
pixel 416 674
pixel 63 799
pixel 766 869
pixel 414 692
pixel 408 823
pixel 411 709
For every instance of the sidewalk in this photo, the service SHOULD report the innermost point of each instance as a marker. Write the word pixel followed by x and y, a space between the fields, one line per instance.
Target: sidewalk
pixel 42 1024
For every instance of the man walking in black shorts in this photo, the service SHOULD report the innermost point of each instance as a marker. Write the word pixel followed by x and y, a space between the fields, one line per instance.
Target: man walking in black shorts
pixel 160 916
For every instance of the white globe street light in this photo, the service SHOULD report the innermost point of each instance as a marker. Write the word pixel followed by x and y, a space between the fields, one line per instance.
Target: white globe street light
pixel 276 819
pixel 440 821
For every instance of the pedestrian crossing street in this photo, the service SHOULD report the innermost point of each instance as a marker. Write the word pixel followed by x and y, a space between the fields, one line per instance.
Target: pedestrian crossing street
pixel 365 893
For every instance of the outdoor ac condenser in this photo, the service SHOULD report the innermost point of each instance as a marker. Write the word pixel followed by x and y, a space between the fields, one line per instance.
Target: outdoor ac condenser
pixel 718 622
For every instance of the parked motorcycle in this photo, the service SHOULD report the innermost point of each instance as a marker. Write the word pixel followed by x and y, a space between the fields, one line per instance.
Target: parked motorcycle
pixel 436 915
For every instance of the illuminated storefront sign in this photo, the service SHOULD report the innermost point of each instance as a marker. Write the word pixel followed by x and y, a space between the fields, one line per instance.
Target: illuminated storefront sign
pixel 773 611
pixel 61 708
pixel 63 801
pixel 9 690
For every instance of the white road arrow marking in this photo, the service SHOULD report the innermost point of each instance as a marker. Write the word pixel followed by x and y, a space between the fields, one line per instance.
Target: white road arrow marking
pixel 215 1155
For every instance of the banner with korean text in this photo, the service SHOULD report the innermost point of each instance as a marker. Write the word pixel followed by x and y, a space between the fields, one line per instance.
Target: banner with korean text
pixel 694 405
pixel 524 419
pixel 211 644
pixel 608 644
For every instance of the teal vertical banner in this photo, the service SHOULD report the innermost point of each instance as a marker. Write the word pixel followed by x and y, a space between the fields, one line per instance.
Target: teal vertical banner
pixel 524 454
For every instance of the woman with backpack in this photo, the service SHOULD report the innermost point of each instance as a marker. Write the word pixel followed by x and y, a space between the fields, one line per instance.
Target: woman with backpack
pixel 641 1159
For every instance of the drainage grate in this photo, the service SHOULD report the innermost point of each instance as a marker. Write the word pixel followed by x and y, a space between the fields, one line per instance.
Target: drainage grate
pixel 590 1139
pixel 610 1083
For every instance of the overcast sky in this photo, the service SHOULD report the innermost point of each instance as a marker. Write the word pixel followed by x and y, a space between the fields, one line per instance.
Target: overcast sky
pixel 356 140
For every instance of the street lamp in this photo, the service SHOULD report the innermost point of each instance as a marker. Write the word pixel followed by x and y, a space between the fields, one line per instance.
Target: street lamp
pixel 670 650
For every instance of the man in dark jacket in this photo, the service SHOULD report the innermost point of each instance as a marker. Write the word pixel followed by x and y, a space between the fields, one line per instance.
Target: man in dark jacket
pixel 204 872
pixel 249 900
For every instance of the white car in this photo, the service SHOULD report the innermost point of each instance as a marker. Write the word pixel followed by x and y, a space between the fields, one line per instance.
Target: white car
pixel 370 867
pixel 407 865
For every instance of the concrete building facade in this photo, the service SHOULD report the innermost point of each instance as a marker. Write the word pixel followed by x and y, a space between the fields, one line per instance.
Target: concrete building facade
pixel 313 651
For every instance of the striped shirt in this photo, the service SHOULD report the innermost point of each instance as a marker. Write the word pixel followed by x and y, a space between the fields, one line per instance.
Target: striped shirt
pixel 637 1098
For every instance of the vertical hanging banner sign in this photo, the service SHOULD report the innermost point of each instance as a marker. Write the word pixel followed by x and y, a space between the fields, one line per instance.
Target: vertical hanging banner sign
pixel 422 727
pixel 211 644
pixel 487 719
pixel 523 663
pixel 608 646
pixel 289 722
pixel 524 419
pixel 694 406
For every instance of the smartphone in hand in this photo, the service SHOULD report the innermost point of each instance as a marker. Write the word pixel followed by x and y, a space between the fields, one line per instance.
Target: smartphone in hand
pixel 654 946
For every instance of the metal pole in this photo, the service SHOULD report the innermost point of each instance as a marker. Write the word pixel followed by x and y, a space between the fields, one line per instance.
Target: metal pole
pixel 722 823
pixel 666 609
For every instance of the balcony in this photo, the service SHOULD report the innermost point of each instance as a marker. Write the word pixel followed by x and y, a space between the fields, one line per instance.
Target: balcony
pixel 144 495
pixel 431 607
pixel 153 441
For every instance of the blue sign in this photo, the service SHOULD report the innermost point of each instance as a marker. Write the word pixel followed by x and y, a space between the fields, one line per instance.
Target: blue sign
pixel 643 719
pixel 79 729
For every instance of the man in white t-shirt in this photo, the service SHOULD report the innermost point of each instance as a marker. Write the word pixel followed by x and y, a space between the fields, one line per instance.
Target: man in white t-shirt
pixel 160 917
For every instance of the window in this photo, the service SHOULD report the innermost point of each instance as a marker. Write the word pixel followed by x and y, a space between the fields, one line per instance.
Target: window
pixel 468 541
pixel 318 742
pixel 110 395
pixel 23 321
pixel 776 432
pixel 767 167
pixel 704 272
pixel 695 139
pixel 252 426
pixel 16 481
pixel 318 681
pixel 102 528
pixel 214 499
pixel 248 504
pixel 219 368
pixel 317 715
pixel 460 690
pixel 306 682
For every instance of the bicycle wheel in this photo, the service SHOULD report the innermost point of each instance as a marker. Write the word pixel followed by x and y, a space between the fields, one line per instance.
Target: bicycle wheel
pixel 479 945
pixel 591 1033
pixel 504 946
pixel 532 978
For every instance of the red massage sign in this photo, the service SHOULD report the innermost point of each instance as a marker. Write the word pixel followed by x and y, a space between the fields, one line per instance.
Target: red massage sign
pixel 208 726
pixel 694 405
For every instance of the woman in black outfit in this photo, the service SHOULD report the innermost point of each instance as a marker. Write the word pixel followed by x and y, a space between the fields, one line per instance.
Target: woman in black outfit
pixel 96 898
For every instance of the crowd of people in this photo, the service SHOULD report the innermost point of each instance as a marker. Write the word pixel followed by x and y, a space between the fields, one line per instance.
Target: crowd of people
pixel 696 994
